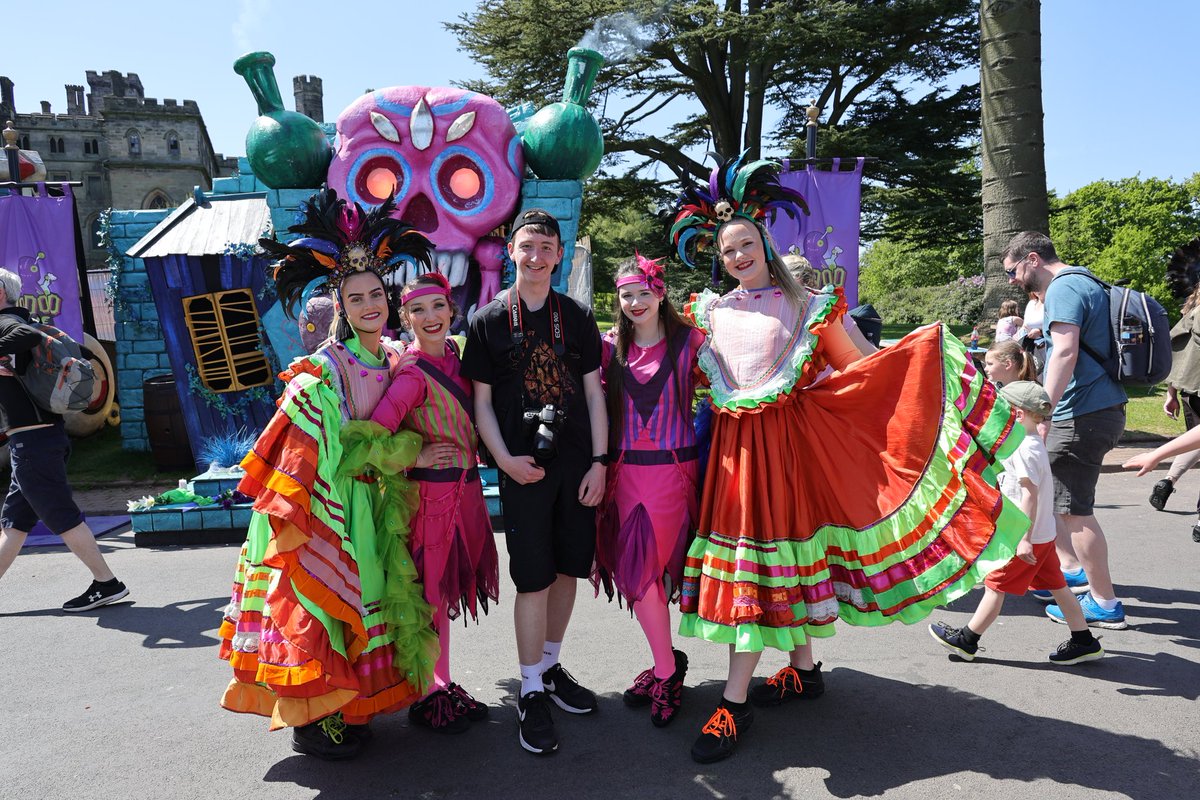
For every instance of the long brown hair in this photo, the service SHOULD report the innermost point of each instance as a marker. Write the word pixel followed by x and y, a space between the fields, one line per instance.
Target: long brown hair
pixel 614 376
pixel 1011 350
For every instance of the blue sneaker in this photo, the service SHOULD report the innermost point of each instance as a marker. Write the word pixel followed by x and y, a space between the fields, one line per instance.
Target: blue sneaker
pixel 1096 616
pixel 1077 581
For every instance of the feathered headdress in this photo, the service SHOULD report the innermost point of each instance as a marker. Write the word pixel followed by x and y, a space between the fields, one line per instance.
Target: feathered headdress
pixel 338 239
pixel 650 273
pixel 1183 270
pixel 751 191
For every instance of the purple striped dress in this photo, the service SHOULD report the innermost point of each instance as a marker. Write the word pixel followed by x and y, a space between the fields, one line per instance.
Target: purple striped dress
pixel 651 505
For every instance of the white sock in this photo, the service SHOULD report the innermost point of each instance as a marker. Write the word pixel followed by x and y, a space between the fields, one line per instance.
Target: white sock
pixel 1107 605
pixel 531 678
pixel 550 654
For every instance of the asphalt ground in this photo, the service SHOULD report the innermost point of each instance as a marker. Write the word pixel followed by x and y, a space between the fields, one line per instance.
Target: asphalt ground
pixel 122 701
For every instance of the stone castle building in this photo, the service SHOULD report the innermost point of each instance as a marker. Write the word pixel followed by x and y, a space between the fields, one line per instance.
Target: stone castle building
pixel 129 151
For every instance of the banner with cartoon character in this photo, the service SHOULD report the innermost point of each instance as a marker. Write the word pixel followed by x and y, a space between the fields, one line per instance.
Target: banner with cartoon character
pixel 37 241
pixel 828 236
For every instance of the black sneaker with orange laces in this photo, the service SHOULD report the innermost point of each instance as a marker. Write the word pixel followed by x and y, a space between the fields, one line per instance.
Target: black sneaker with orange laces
pixel 719 736
pixel 789 684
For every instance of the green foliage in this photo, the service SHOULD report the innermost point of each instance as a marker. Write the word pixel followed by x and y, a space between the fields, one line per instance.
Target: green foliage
pixel 1126 230
pixel 889 264
pixel 879 69
pixel 956 302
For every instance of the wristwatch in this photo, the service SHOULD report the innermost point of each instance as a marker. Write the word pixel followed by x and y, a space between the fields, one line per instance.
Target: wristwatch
pixel 600 459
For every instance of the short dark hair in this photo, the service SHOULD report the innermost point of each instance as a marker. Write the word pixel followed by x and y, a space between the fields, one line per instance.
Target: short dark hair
pixel 539 221
pixel 1027 242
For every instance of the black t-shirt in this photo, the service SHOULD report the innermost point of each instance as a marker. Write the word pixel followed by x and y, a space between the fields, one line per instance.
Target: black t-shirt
pixel 17 339
pixel 527 375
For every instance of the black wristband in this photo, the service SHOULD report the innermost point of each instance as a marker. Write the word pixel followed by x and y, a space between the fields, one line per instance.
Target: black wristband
pixel 600 459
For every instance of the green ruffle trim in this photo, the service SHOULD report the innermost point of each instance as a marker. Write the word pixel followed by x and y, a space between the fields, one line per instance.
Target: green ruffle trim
pixel 370 448
pixel 784 382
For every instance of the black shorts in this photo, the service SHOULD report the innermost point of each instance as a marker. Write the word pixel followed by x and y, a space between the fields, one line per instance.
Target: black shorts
pixel 1077 448
pixel 547 530
pixel 39 487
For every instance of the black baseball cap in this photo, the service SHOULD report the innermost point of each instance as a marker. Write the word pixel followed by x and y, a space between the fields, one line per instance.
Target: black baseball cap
pixel 535 216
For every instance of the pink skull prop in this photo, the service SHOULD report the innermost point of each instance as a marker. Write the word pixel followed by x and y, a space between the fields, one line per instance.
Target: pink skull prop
pixel 453 160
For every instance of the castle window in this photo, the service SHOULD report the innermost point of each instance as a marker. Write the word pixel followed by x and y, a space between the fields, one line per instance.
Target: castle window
pixel 224 329
pixel 25 142
pixel 53 145
pixel 94 188
pixel 95 147
pixel 157 199
pixel 172 145
pixel 135 143
pixel 87 147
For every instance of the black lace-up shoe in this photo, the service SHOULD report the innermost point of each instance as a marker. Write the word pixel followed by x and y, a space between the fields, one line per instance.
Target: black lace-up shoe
pixel 953 640
pixel 535 725
pixel 327 739
pixel 98 594
pixel 566 692
pixel 719 736
pixel 788 684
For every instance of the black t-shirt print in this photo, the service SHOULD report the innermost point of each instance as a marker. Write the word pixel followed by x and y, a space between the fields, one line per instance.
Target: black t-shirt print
pixel 527 375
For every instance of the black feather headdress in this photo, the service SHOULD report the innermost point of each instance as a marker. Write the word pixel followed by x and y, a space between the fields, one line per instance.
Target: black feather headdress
pixel 1183 270
pixel 751 191
pixel 338 239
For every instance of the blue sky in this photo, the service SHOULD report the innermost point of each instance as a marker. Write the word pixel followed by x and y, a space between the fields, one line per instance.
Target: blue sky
pixel 1118 87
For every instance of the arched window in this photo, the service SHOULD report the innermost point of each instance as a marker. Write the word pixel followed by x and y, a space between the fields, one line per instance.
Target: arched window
pixel 95 147
pixel 62 147
pixel 157 199
pixel 135 143
pixel 173 144
pixel 53 145
pixel 87 147
pixel 25 142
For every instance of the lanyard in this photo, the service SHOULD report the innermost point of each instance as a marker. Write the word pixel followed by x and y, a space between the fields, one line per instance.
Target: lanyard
pixel 516 320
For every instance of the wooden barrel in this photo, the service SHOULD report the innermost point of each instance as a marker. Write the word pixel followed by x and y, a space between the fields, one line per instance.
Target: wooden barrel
pixel 164 425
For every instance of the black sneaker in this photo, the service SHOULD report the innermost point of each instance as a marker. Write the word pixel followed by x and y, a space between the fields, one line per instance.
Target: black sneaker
pixel 98 594
pixel 535 725
pixel 788 684
pixel 327 739
pixel 1070 652
pixel 638 695
pixel 1159 494
pixel 566 692
pixel 436 711
pixel 465 705
pixel 719 736
pixel 953 640
pixel 666 696
pixel 1196 532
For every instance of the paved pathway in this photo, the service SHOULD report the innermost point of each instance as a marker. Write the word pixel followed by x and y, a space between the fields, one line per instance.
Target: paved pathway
pixel 122 702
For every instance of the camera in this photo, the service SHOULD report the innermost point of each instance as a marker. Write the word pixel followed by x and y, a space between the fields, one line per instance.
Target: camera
pixel 545 422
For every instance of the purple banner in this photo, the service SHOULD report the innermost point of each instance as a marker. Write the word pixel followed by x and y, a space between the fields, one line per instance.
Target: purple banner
pixel 37 241
pixel 828 236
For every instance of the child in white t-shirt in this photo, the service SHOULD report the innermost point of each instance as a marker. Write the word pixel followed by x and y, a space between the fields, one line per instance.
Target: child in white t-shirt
pixel 1027 481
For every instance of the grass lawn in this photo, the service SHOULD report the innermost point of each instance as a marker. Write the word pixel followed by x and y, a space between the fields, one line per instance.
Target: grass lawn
pixel 99 460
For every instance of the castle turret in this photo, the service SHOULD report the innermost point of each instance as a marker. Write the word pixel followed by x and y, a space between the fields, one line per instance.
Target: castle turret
pixel 309 97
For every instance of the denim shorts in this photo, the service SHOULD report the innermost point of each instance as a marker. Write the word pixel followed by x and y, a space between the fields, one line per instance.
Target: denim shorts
pixel 1077 448
pixel 39 487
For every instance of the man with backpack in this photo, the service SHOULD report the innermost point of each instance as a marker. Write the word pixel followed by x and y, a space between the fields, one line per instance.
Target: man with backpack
pixel 39 449
pixel 1088 417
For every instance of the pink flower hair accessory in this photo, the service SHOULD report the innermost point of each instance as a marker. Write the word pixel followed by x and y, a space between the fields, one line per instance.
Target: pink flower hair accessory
pixel 651 275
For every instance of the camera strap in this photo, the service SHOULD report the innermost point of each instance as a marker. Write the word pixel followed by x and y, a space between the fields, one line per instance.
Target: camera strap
pixel 516 320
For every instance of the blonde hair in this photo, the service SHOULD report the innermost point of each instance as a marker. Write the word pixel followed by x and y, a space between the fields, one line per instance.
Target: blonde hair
pixel 1010 350
pixel 781 277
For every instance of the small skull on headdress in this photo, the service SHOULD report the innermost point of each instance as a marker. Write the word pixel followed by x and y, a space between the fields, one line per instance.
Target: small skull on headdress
pixel 723 211
pixel 356 258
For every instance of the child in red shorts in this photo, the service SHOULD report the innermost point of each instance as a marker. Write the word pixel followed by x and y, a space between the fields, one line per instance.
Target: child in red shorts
pixel 1027 481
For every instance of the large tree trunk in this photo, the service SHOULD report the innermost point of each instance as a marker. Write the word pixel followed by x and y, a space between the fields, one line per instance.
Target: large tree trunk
pixel 1014 158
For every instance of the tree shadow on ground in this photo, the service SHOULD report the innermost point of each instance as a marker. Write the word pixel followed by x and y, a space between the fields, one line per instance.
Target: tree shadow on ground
pixel 187 623
pixel 867 736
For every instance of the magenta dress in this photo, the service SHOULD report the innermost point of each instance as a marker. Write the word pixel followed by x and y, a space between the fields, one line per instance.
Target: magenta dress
pixel 452 541
pixel 652 496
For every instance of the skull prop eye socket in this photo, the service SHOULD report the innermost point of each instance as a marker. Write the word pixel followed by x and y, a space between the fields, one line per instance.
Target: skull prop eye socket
pixel 377 175
pixel 463 183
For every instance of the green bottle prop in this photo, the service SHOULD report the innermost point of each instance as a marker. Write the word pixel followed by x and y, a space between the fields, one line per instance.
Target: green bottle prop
pixel 286 149
pixel 563 140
